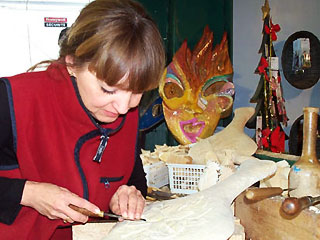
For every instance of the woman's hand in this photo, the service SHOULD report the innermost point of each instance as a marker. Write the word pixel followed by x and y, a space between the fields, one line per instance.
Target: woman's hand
pixel 53 201
pixel 128 202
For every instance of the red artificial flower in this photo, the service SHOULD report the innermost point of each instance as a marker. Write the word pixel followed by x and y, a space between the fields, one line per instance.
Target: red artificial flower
pixel 262 67
pixel 277 140
pixel 265 137
pixel 272 30
pixel 276 137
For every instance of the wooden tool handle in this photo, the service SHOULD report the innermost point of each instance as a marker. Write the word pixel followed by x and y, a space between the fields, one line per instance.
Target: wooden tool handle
pixel 86 212
pixel 256 194
pixel 292 206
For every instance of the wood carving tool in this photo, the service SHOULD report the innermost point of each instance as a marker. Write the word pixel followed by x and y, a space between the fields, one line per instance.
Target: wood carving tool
pixel 257 194
pixel 101 214
pixel 161 195
pixel 292 205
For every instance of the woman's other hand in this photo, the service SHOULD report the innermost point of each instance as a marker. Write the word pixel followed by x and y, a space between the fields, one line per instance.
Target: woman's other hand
pixel 128 202
pixel 53 201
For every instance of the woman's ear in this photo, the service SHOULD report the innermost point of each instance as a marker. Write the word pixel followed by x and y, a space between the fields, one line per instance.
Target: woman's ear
pixel 69 64
pixel 69 60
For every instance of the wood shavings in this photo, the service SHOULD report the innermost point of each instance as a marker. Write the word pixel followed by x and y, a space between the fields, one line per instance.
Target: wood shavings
pixel 149 157
pixel 225 172
pixel 168 154
pixel 210 176
pixel 280 178
pixel 175 157
pixel 214 173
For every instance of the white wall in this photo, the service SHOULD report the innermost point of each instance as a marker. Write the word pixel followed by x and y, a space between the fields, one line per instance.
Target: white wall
pixel 292 16
pixel 25 39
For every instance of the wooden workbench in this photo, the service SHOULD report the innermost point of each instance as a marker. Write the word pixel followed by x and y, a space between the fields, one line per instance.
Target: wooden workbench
pixel 263 221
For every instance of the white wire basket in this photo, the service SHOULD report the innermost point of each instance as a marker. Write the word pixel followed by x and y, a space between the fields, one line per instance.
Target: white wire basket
pixel 184 178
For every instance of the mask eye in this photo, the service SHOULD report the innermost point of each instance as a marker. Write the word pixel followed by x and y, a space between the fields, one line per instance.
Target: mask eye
pixel 172 90
pixel 214 88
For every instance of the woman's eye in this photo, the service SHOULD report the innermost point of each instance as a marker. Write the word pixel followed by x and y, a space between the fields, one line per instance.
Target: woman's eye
pixel 107 91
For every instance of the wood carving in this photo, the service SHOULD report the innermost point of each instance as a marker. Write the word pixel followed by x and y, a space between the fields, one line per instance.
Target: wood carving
pixel 232 138
pixel 205 215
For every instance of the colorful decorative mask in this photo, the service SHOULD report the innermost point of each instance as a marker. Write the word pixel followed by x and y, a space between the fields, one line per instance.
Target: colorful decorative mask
pixel 197 90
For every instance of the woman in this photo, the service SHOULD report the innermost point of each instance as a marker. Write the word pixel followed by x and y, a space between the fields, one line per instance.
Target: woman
pixel 69 133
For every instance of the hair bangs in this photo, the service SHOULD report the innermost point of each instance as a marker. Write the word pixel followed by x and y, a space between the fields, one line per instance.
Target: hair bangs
pixel 133 56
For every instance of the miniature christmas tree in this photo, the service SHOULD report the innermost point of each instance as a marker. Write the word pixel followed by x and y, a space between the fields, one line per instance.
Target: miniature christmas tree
pixel 270 113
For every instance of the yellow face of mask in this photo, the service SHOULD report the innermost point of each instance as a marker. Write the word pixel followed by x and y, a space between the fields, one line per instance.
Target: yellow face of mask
pixel 196 89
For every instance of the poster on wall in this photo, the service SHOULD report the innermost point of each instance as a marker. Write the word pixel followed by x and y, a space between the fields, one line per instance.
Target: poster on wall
pixel 31 30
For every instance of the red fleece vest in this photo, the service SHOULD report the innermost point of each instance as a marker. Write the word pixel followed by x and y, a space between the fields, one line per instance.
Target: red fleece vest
pixel 56 141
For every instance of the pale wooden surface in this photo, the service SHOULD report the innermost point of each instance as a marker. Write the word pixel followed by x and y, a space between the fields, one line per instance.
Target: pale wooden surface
pixel 97 231
pixel 262 221
pixel 91 231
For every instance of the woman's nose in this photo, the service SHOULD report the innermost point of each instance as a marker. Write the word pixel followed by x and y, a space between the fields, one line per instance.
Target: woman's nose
pixel 126 101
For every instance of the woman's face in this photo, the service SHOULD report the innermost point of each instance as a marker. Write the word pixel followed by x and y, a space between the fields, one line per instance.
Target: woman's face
pixel 105 103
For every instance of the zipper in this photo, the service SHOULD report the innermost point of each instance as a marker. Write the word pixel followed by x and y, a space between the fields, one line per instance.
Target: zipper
pixel 102 146
pixel 106 180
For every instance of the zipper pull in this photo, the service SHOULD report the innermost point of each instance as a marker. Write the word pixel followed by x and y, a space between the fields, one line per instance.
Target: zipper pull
pixel 101 148
pixel 105 182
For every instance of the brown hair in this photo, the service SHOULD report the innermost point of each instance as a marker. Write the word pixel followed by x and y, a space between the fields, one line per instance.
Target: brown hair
pixel 115 37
